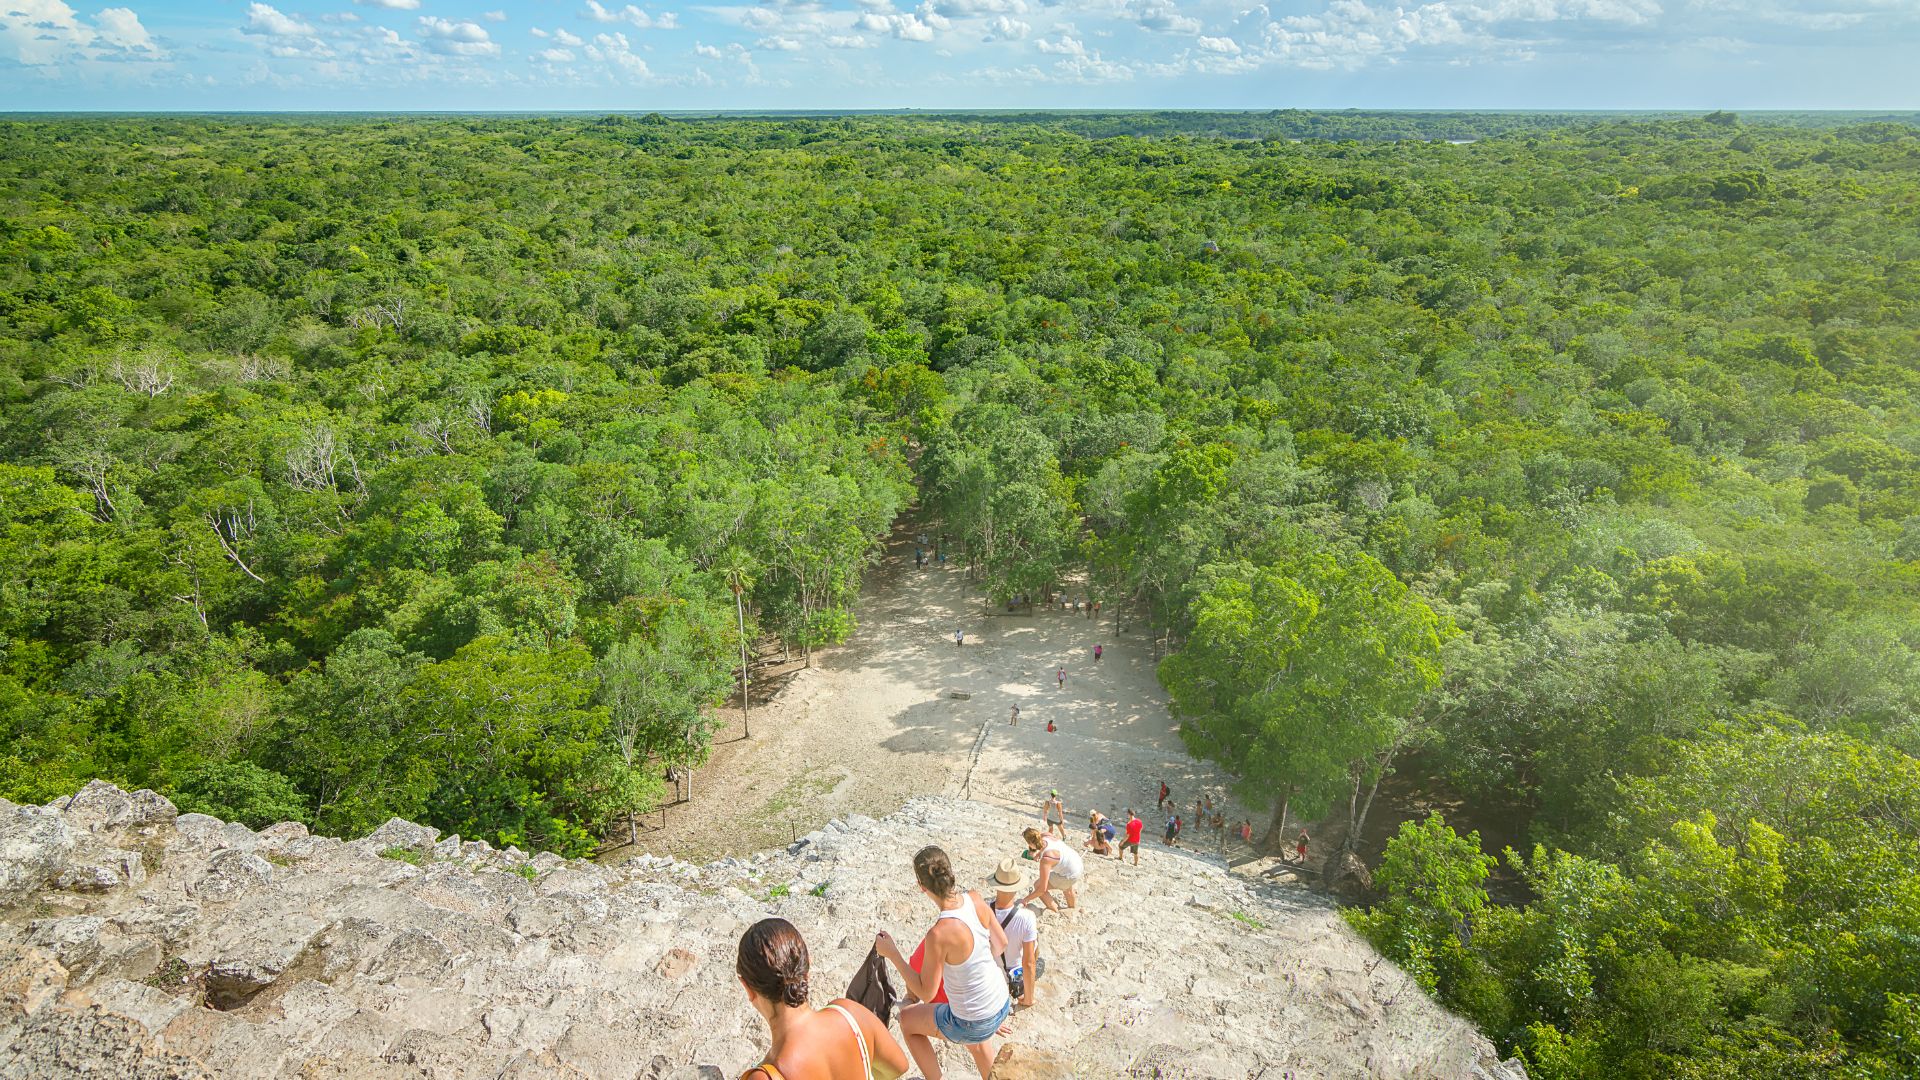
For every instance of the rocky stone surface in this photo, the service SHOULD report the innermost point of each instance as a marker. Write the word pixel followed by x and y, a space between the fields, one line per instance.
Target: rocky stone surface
pixel 140 943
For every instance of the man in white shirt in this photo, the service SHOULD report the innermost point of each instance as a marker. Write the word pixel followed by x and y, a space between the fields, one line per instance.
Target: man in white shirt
pixel 1022 957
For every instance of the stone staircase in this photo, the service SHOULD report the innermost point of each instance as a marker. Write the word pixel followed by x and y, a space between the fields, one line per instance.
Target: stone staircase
pixel 138 942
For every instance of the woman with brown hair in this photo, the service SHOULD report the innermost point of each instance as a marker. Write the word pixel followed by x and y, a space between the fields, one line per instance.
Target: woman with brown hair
pixel 808 1044
pixel 963 953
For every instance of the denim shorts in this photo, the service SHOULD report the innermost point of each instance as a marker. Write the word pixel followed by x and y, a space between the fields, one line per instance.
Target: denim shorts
pixel 969 1032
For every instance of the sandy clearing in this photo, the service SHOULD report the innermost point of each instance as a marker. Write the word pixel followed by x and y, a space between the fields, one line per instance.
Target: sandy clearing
pixel 873 723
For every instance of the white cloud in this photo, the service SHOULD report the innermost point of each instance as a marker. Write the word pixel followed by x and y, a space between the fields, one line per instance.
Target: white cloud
pixel 633 15
pixel 707 51
pixel 907 26
pixel 1161 17
pixel 494 16
pixel 391 5
pixel 1067 45
pixel 1007 28
pixel 1223 45
pixel 456 38
pixel 616 50
pixel 555 56
pixel 849 41
pixel 39 33
pixel 778 44
pixel 266 20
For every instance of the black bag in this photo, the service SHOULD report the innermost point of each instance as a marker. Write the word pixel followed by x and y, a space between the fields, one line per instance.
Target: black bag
pixel 872 987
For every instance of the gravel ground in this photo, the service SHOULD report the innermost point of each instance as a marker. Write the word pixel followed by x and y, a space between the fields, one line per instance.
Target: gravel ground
pixel 874 723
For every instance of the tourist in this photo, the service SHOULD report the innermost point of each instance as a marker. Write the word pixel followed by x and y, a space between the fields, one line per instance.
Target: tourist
pixel 963 951
pixel 1173 829
pixel 940 557
pixel 1300 847
pixel 1099 832
pixel 1050 728
pixel 1060 679
pixel 1097 650
pixel 919 558
pixel 1022 957
pixel 1014 721
pixel 1053 811
pixel 1134 828
pixel 1163 796
pixel 959 637
pixel 1060 868
pixel 772 965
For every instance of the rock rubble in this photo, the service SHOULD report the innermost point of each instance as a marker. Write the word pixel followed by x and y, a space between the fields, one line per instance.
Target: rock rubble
pixel 138 942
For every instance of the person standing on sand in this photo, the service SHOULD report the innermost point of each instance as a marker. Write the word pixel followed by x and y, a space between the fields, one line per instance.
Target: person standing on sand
pixel 1300 847
pixel 1054 812
pixel 1161 805
pixel 1173 829
pixel 1060 678
pixel 1014 721
pixel 1097 650
pixel 959 637
pixel 1134 827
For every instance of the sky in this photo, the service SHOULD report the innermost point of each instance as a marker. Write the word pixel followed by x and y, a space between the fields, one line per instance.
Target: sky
pixel 939 54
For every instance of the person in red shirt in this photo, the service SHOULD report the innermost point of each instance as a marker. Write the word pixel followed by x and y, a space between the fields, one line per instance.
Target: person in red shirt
pixel 1133 837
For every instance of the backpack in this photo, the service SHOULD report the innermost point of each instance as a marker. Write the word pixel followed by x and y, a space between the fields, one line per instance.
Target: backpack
pixel 872 988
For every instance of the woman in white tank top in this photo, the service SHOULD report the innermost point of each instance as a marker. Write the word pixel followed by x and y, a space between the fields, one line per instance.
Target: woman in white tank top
pixel 962 953
pixel 1060 868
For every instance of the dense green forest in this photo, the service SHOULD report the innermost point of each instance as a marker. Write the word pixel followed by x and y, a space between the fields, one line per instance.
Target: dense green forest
pixel 362 467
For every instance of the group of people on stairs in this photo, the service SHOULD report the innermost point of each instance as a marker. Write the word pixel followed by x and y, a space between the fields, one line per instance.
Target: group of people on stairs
pixel 974 965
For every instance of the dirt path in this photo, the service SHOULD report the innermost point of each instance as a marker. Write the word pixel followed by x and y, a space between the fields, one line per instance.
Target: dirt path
pixel 874 723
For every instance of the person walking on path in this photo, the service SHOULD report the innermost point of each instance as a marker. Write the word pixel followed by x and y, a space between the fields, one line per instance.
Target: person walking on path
pixel 1300 848
pixel 919 558
pixel 1055 814
pixel 772 966
pixel 1097 650
pixel 1060 679
pixel 962 954
pixel 1134 827
pixel 1014 720
pixel 960 637
pixel 1173 829
pixel 1060 868
pixel 1161 805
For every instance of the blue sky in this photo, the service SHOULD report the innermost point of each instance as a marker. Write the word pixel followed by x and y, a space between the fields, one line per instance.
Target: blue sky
pixel 599 54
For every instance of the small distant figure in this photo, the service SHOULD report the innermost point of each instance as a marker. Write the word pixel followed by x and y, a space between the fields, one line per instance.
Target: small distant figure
pixel 1014 720
pixel 921 539
pixel 1060 678
pixel 1246 832
pixel 1097 650
pixel 1173 829
pixel 919 558
pixel 1163 796
pixel 1300 849
pixel 1050 728
pixel 1134 827
pixel 1076 605
pixel 960 638
pixel 940 556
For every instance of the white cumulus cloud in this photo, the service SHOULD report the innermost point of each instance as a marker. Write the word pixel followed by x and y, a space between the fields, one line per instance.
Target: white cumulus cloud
pixel 391 5
pixel 41 33
pixel 456 38
pixel 266 20
pixel 632 15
